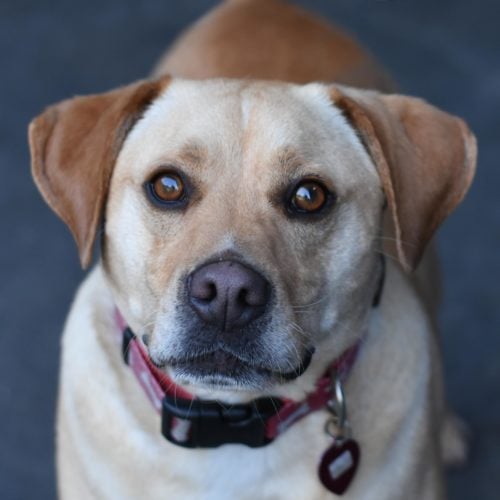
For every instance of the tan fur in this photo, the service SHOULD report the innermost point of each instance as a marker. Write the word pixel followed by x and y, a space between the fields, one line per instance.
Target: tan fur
pixel 241 142
pixel 270 40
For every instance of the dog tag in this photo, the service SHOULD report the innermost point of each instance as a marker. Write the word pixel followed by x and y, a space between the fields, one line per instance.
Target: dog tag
pixel 338 465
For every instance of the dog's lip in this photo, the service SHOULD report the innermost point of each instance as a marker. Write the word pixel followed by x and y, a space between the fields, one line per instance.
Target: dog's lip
pixel 230 359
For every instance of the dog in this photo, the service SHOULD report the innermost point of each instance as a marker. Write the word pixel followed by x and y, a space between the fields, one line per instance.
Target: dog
pixel 264 204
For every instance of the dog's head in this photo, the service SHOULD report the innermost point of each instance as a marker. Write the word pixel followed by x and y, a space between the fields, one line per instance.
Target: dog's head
pixel 242 220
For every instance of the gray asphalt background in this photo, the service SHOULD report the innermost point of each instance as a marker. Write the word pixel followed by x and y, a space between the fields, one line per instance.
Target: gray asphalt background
pixel 447 51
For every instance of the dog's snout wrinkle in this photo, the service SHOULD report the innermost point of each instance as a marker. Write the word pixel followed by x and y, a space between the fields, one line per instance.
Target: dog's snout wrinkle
pixel 228 294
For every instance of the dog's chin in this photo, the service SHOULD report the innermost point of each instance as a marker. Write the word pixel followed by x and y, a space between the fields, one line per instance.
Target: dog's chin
pixel 222 370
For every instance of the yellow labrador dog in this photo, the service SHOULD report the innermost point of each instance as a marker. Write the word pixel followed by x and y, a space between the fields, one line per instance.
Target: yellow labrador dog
pixel 241 336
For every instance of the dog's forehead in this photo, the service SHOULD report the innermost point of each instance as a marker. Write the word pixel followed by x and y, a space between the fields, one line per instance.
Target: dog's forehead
pixel 228 119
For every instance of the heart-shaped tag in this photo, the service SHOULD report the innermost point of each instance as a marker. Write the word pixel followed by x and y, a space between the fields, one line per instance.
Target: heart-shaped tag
pixel 338 465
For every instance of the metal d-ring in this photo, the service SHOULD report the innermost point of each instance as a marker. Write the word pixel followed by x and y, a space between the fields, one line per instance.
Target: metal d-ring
pixel 337 426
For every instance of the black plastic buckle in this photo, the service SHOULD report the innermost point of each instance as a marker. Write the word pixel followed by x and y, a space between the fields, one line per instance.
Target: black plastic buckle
pixel 208 424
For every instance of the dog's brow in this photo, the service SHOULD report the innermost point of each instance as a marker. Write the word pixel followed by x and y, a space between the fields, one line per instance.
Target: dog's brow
pixel 192 153
pixel 288 158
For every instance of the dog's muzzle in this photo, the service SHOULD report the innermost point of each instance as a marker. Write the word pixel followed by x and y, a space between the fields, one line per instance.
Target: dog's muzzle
pixel 226 340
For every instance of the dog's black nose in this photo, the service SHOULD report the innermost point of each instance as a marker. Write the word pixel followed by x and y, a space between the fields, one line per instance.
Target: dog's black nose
pixel 228 294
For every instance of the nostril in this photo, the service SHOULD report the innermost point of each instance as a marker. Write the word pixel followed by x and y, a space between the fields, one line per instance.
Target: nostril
pixel 257 296
pixel 251 298
pixel 203 290
pixel 210 292
pixel 245 298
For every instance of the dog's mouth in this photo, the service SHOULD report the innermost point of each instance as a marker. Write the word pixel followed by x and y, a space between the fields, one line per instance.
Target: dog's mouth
pixel 223 368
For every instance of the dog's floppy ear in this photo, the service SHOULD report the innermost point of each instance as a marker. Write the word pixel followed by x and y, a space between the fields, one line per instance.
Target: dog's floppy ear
pixel 425 159
pixel 74 146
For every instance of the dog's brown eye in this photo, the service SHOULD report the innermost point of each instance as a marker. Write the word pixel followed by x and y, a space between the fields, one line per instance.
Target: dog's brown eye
pixel 168 187
pixel 309 196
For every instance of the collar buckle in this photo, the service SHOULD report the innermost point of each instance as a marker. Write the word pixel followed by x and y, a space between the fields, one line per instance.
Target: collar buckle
pixel 208 424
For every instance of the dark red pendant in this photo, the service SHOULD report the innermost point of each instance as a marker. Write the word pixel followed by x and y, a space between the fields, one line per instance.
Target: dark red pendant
pixel 338 465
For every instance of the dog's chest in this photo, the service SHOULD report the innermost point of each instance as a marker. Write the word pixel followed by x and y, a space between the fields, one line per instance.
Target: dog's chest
pixel 282 470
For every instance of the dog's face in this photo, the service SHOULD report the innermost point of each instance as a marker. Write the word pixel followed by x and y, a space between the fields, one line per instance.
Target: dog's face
pixel 241 231
pixel 242 223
